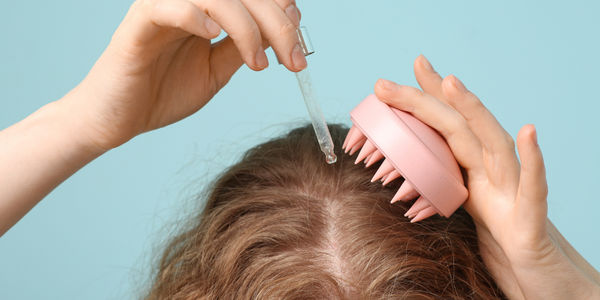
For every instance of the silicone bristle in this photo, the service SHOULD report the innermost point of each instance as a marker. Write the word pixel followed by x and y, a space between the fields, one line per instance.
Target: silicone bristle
pixel 405 190
pixel 411 196
pixel 424 214
pixel 385 168
pixel 395 174
pixel 418 206
pixel 355 138
pixel 367 159
pixel 348 136
pixel 384 177
pixel 367 149
pixel 375 157
pixel 357 146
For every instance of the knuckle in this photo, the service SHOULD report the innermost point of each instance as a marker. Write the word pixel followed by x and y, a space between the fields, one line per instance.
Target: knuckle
pixel 188 14
pixel 411 93
pixel 147 6
pixel 407 99
pixel 455 127
pixel 509 141
pixel 253 32
pixel 283 4
pixel 462 125
pixel 545 190
pixel 479 106
pixel 287 28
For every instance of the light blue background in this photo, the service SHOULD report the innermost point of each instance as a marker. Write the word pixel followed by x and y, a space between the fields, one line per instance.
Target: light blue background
pixel 530 61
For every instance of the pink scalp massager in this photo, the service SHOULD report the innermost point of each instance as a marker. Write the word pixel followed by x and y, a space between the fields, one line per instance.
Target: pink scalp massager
pixel 412 150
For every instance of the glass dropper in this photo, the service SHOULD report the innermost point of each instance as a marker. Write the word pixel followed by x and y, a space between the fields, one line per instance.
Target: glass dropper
pixel 312 102
pixel 316 115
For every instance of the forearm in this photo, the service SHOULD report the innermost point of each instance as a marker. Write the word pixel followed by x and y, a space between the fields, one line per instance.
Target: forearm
pixel 559 272
pixel 36 155
pixel 578 261
pixel 555 278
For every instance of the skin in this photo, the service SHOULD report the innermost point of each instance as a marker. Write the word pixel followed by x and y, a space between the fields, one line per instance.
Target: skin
pixel 526 254
pixel 160 67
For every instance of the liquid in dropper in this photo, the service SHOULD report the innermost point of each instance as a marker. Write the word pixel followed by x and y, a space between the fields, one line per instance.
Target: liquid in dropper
pixel 316 115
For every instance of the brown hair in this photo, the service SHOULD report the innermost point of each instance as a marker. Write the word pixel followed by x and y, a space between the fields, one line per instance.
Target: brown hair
pixel 283 224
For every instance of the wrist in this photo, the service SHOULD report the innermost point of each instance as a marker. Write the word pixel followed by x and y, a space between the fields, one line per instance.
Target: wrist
pixel 85 120
pixel 71 125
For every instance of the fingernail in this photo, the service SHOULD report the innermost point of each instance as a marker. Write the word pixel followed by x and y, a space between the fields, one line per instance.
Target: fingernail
pixel 298 58
pixel 292 13
pixel 212 27
pixel 261 58
pixel 426 64
pixel 389 85
pixel 535 139
pixel 459 85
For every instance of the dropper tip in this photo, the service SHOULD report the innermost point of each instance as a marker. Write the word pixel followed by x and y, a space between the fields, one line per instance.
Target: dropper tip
pixel 331 158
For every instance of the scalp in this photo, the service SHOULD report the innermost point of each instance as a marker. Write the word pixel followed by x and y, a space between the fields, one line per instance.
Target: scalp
pixel 283 224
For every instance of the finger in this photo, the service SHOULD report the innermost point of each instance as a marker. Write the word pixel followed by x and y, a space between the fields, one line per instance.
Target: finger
pixel 531 206
pixel 155 23
pixel 131 10
pixel 299 15
pixel 291 11
pixel 463 143
pixel 225 60
pixel 483 123
pixel 278 21
pixel 236 20
pixel 429 80
pixel 499 147
pixel 185 15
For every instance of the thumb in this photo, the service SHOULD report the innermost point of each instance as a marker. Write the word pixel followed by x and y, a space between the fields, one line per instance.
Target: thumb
pixel 531 206
pixel 225 60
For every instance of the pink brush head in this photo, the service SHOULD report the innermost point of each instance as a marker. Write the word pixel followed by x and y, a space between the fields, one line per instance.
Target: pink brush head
pixel 411 150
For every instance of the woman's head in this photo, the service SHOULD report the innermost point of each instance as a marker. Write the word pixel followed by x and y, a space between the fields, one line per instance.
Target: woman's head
pixel 283 224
